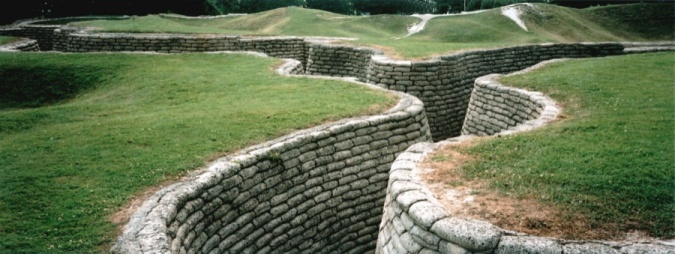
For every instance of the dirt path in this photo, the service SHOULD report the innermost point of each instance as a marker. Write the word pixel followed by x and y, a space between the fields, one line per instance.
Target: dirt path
pixel 418 27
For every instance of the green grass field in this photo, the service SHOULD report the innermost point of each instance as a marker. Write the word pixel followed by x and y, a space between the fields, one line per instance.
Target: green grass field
pixel 80 134
pixel 128 122
pixel 611 158
pixel 546 23
pixel 5 39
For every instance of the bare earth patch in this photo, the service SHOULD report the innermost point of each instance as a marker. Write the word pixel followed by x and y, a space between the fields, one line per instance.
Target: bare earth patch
pixel 441 172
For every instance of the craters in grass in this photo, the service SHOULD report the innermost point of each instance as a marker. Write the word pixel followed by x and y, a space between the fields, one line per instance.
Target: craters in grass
pixel 37 86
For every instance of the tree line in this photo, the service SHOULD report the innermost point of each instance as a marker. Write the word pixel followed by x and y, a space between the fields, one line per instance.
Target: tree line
pixel 22 9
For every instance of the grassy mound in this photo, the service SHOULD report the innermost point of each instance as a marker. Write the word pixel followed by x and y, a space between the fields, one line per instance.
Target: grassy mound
pixel 546 23
pixel 644 21
pixel 36 86
pixel 67 167
pixel 282 21
pixel 611 159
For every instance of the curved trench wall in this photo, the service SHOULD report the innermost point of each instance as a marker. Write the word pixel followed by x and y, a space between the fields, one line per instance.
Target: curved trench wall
pixel 316 191
pixel 494 108
pixel 414 221
pixel 322 190
pixel 43 34
pixel 22 44
pixel 444 84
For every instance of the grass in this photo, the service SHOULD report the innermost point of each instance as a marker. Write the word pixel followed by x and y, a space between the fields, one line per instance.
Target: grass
pixel 611 159
pixel 283 21
pixel 130 123
pixel 630 21
pixel 85 134
pixel 5 39
pixel 63 21
pixel 490 29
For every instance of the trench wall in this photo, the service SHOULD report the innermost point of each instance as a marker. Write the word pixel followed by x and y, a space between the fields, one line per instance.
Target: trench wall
pixel 22 44
pixel 280 47
pixel 317 191
pixel 414 221
pixel 494 108
pixel 444 83
pixel 339 60
pixel 43 34
pixel 323 189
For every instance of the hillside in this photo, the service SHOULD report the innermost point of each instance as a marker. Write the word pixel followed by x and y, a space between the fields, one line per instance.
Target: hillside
pixel 291 21
pixel 491 28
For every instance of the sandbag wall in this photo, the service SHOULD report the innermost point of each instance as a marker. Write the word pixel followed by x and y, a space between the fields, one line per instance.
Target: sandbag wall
pixel 43 30
pixel 494 108
pixel 281 47
pixel 317 191
pixel 444 84
pixel 43 34
pixel 414 221
pixel 22 44
pixel 339 60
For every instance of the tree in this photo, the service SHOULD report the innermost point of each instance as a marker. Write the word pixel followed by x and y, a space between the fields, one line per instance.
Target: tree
pixel 336 6
pixel 20 9
pixel 472 5
pixel 252 6
pixel 218 7
pixel 394 6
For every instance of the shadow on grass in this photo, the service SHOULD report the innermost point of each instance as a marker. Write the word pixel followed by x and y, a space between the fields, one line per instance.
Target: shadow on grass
pixel 38 86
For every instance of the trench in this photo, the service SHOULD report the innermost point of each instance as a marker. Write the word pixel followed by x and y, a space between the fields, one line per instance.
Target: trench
pixel 320 190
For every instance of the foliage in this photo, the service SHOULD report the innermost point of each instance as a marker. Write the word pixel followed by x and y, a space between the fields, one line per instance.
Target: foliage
pixel 374 7
pixel 473 5
pixel 145 119
pixel 252 6
pixel 589 3
pixel 218 7
pixel 335 6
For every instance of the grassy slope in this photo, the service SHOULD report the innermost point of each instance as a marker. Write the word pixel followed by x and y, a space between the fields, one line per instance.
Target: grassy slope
pixel 135 121
pixel 639 21
pixel 55 153
pixel 483 30
pixel 5 39
pixel 556 24
pixel 547 23
pixel 612 160
pixel 283 21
